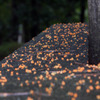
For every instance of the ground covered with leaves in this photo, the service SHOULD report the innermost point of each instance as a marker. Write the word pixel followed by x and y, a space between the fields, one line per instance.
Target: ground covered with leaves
pixel 52 66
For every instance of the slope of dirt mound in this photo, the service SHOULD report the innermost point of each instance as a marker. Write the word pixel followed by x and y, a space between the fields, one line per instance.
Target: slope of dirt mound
pixel 52 66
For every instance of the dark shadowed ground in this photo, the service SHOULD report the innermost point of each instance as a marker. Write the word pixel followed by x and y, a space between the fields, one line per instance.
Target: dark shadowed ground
pixel 52 66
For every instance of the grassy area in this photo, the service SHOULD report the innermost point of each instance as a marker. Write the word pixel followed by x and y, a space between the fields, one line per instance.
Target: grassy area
pixel 7 48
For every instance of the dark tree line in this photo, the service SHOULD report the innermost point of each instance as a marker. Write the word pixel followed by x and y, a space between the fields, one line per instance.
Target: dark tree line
pixel 36 15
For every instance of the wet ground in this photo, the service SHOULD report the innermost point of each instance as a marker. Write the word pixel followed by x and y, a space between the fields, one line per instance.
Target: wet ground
pixel 52 66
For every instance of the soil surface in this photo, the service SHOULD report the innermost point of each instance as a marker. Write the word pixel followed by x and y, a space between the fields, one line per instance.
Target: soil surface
pixel 52 66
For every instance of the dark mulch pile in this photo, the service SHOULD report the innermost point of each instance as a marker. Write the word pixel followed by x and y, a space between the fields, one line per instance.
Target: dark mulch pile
pixel 52 66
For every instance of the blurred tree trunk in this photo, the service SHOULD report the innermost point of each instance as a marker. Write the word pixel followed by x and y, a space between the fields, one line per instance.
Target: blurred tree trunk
pixel 82 10
pixel 94 31
pixel 26 30
pixel 14 21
